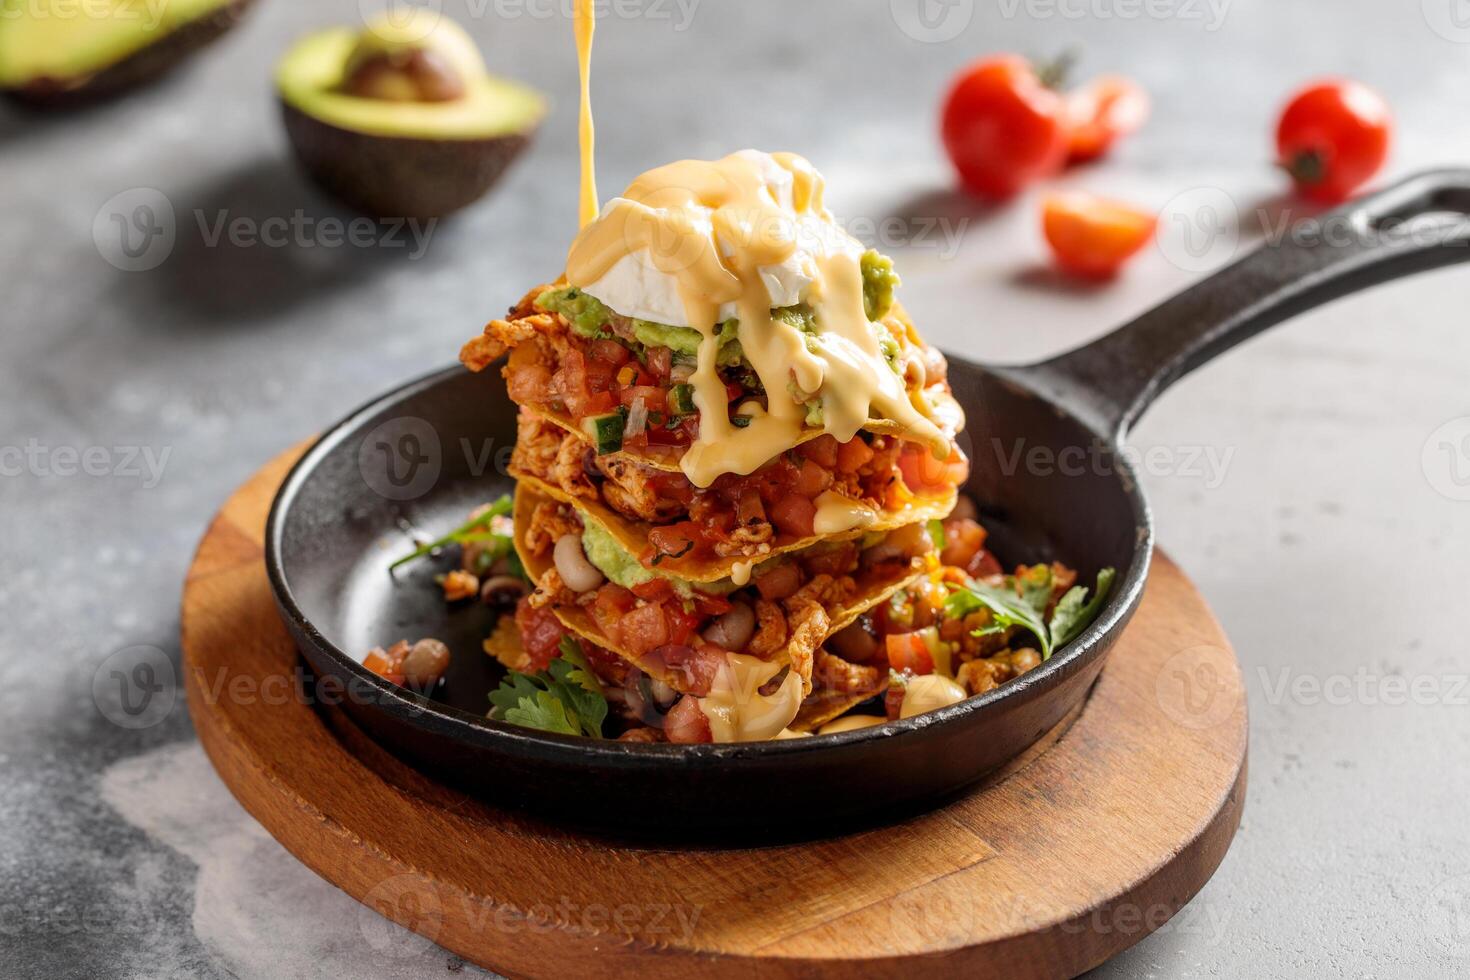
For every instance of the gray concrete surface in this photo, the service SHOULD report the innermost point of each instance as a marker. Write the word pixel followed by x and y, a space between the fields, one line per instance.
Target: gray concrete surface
pixel 1330 533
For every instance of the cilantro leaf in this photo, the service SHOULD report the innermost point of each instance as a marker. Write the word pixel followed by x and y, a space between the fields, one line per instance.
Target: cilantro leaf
pixel 1007 609
pixel 464 532
pixel 1074 613
pixel 564 698
pixel 542 711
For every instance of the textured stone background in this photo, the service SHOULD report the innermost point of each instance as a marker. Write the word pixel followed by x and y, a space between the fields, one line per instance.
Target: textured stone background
pixel 1329 543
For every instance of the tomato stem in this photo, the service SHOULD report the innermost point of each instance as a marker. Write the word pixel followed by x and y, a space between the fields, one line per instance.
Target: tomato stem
pixel 1306 167
pixel 1054 73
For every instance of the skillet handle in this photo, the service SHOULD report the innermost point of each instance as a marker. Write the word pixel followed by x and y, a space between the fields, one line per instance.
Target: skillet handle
pixel 1419 224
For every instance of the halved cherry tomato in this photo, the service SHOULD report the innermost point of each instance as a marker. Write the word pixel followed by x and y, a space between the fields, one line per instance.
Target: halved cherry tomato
pixel 1333 137
pixel 1092 237
pixel 908 651
pixel 1003 128
pixel 1102 112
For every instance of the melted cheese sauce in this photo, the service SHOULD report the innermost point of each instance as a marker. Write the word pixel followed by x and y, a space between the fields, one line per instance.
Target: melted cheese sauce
pixel 836 513
pixel 712 226
pixel 736 709
pixel 929 692
pixel 586 24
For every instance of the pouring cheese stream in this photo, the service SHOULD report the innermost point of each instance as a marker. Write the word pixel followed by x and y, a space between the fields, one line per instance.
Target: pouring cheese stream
pixel 585 25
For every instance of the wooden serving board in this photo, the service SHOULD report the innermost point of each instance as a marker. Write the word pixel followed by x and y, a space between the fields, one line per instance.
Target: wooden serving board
pixel 1071 854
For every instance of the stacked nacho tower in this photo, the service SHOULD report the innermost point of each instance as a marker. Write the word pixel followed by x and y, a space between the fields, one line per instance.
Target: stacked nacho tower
pixel 732 443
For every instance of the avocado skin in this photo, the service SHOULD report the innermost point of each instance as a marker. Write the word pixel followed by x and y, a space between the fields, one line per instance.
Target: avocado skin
pixel 399 176
pixel 136 69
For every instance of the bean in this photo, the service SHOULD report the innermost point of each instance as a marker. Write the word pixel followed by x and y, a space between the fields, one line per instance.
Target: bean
pixel 425 663
pixel 733 630
pixel 579 574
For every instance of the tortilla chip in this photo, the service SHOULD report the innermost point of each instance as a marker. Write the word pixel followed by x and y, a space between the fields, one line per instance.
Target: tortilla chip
pixel 946 412
pixel 810 628
pixel 504 644
pixel 822 706
pixel 633 535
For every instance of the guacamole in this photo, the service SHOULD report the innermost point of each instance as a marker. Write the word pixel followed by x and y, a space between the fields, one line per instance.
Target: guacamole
pixel 621 568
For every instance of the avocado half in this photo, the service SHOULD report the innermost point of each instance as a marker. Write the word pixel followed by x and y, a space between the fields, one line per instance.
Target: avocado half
pixel 64 53
pixel 402 158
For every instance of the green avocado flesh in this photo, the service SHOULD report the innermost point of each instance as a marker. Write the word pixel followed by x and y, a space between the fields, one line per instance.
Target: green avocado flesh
pixel 621 568
pixel 72 39
pixel 589 316
pixel 309 78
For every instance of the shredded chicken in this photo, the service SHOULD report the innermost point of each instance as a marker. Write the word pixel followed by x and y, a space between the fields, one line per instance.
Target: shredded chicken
pixel 823 590
pixel 459 585
pixel 770 635
pixel 629 491
pixel 550 521
pixel 537 444
pixel 809 624
pixel 570 470
pixel 752 539
pixel 551 591
pixel 832 673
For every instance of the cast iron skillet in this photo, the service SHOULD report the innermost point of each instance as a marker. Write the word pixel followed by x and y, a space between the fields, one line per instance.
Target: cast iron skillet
pixel 427 453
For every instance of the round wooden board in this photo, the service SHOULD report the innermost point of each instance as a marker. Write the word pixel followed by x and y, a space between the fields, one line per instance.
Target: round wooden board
pixel 1071 854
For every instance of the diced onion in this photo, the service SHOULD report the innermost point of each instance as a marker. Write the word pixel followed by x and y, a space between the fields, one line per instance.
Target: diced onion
pixel 637 422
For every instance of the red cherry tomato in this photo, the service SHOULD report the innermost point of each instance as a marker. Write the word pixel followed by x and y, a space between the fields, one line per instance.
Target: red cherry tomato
pixel 1333 137
pixel 1102 112
pixel 1002 127
pixel 1092 237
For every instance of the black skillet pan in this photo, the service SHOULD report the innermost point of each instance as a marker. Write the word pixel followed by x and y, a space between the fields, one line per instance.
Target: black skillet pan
pixel 427 453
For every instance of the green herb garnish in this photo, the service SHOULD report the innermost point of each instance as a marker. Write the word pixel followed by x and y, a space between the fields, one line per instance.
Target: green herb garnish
pixel 465 532
pixel 1021 601
pixel 565 698
pixel 936 534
